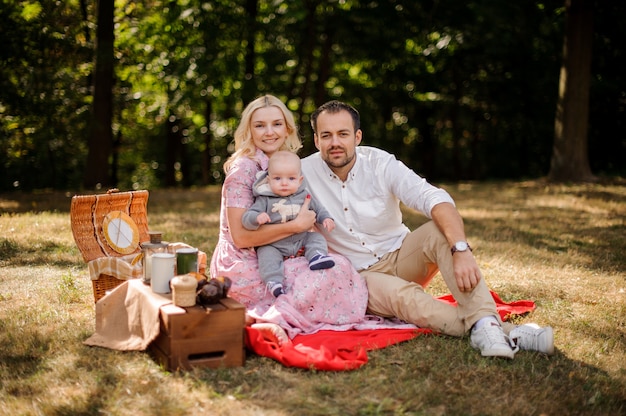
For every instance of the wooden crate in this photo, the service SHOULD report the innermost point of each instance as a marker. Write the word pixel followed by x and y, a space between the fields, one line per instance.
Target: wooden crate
pixel 199 337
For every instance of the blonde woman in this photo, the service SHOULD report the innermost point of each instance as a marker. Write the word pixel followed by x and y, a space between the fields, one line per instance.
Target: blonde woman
pixel 315 299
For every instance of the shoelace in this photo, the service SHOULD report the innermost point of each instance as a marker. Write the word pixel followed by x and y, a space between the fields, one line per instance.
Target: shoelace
pixel 513 343
pixel 492 333
pixel 531 337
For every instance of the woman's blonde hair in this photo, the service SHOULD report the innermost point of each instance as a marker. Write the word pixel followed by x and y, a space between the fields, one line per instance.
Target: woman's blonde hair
pixel 244 146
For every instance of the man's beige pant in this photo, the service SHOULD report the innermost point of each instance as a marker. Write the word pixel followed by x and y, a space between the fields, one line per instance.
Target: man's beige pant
pixel 396 286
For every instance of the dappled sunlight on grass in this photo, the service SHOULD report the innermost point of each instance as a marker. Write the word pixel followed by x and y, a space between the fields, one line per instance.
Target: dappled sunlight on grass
pixel 560 246
pixel 569 227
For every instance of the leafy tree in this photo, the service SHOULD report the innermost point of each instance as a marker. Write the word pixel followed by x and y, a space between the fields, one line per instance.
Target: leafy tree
pixel 446 85
pixel 607 112
pixel 570 160
pixel 458 90
pixel 181 71
pixel 44 93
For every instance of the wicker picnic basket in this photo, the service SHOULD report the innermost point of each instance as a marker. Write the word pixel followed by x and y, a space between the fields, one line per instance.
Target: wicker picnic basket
pixel 89 212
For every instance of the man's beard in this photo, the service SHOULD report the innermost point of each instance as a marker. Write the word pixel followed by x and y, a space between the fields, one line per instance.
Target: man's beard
pixel 339 163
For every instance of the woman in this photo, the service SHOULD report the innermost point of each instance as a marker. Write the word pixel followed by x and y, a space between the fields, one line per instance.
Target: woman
pixel 314 299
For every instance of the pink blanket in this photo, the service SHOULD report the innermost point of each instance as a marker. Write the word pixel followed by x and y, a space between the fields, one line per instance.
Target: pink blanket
pixel 347 350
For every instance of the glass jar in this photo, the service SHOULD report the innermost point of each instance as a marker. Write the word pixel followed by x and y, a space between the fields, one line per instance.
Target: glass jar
pixel 148 249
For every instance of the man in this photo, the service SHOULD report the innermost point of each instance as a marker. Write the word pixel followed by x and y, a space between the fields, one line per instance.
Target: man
pixel 362 187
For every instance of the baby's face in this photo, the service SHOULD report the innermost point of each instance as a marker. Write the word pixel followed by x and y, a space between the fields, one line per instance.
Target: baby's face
pixel 284 179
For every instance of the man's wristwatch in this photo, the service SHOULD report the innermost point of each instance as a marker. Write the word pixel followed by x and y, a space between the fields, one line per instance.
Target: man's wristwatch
pixel 460 246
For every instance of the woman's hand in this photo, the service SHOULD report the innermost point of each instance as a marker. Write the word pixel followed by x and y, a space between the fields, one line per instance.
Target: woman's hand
pixel 267 233
pixel 305 219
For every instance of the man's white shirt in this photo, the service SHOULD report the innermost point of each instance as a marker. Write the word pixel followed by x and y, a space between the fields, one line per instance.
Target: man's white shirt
pixel 366 207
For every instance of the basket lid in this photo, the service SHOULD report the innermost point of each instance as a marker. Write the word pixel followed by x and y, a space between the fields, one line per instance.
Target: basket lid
pixel 90 212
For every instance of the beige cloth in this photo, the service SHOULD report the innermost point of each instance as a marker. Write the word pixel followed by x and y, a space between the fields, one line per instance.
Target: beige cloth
pixel 123 268
pixel 128 317
pixel 131 266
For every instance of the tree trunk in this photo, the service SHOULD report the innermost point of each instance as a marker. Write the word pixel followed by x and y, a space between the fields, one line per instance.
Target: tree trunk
pixel 455 110
pixel 173 149
pixel 207 173
pixel 249 91
pixel 101 139
pixel 570 159
pixel 324 67
pixel 307 52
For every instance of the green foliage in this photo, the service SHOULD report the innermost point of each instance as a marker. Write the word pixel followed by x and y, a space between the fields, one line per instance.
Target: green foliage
pixel 456 89
pixel 69 290
pixel 44 98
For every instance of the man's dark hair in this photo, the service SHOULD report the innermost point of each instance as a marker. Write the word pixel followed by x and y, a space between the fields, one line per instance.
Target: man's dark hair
pixel 333 107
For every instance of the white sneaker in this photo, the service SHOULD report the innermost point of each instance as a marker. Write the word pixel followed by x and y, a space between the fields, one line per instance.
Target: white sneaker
pixel 532 337
pixel 492 342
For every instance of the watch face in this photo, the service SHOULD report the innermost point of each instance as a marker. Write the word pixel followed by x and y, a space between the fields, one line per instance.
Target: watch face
pixel 461 246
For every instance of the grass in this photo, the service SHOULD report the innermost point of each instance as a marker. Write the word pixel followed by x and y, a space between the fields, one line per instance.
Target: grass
pixel 560 245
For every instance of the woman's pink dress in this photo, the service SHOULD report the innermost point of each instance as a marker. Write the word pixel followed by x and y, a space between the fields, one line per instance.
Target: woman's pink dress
pixel 333 298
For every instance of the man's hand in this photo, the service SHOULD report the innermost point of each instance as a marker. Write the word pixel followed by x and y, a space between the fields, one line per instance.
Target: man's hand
pixel 449 221
pixel 466 270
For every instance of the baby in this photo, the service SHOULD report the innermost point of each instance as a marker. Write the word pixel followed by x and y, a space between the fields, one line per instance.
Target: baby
pixel 280 193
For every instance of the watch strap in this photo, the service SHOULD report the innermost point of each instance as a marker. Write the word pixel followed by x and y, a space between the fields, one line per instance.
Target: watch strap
pixel 453 249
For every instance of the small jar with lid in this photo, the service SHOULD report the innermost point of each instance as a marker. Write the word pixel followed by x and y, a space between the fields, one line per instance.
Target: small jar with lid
pixel 148 249
pixel 184 290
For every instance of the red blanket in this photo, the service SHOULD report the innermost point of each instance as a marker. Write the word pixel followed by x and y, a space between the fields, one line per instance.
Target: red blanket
pixel 347 350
